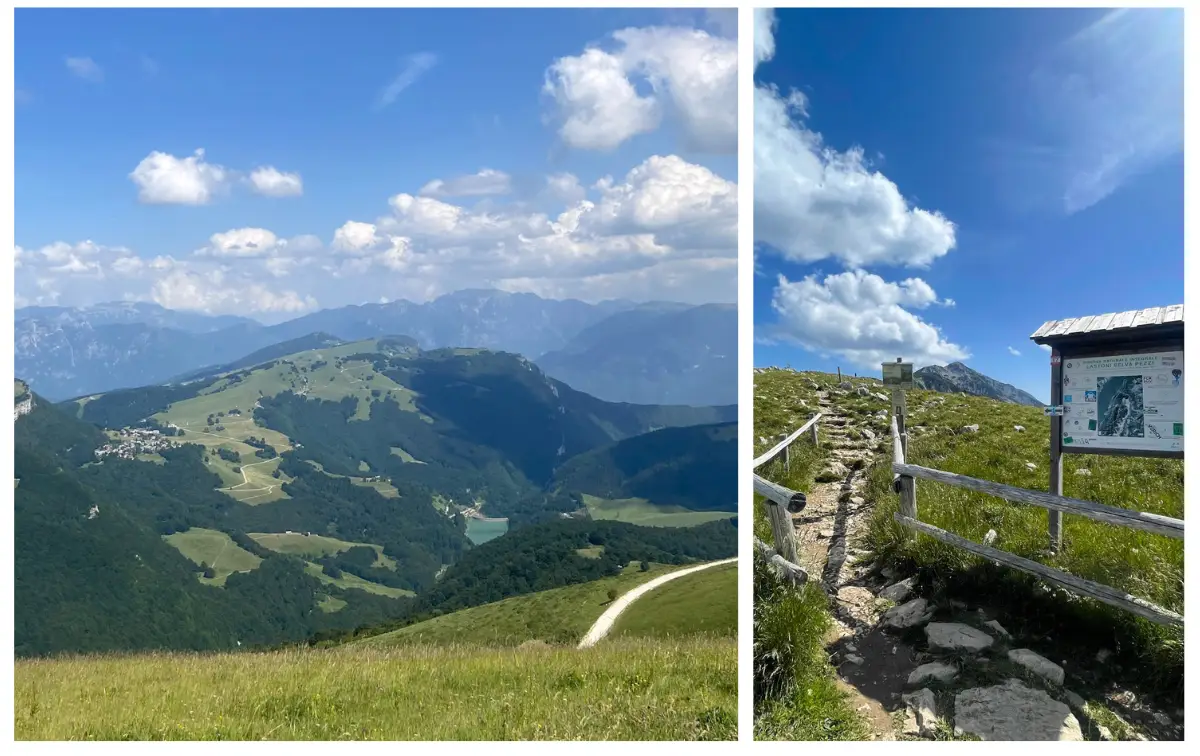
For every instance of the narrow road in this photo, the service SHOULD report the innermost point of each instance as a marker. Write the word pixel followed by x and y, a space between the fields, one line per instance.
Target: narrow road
pixel 602 625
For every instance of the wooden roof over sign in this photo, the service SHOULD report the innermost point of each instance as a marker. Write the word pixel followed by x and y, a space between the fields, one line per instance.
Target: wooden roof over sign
pixel 1133 323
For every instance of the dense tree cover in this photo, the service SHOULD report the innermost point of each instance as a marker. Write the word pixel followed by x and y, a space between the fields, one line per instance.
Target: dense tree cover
pixel 228 455
pixel 89 575
pixel 693 467
pixel 545 557
pixel 128 407
pixel 57 435
pixel 360 561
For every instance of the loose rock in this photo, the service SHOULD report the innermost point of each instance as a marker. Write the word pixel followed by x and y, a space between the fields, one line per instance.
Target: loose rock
pixel 862 391
pixel 1019 428
pixel 924 705
pixel 955 636
pixel 937 670
pixel 1013 712
pixel 898 592
pixel 854 659
pixel 969 429
pixel 911 614
pixel 993 624
pixel 1083 471
pixel 989 538
pixel 868 434
pixel 1030 466
pixel 1074 700
pixel 1037 664
pixel 845 385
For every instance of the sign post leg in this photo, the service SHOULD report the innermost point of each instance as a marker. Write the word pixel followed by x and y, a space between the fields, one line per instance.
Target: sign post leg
pixel 1056 435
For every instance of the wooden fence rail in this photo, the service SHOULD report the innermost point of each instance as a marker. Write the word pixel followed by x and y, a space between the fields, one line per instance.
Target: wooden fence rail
pixel 904 478
pixel 782 503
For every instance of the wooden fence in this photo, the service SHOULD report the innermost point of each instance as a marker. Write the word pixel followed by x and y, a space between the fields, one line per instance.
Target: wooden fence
pixel 904 477
pixel 782 503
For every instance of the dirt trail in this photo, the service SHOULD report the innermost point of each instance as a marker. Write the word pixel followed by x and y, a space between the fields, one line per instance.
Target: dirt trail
pixel 829 532
pixel 604 623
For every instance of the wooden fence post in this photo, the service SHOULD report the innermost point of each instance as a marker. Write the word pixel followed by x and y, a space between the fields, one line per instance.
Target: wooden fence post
pixel 839 374
pixel 783 531
pixel 787 459
pixel 815 440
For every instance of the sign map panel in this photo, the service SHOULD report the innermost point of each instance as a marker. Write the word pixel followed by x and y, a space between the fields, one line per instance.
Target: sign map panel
pixel 1128 402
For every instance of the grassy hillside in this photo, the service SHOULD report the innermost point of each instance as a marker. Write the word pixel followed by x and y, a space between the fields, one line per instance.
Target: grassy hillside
pixel 213 549
pixel 1143 564
pixel 559 615
pixel 624 690
pixel 702 603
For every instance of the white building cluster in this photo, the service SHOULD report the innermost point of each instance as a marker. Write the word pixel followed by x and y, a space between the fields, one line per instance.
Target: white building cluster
pixel 135 441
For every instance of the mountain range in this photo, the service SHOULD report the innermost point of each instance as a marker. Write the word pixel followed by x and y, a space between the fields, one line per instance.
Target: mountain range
pixel 321 485
pixel 655 352
pixel 957 377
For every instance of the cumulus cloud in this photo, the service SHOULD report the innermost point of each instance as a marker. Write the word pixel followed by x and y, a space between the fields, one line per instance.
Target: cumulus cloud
pixel 812 202
pixel 862 318
pixel 164 179
pixel 85 68
pixel 272 182
pixel 689 73
pixel 1014 352
pixel 1045 347
pixel 486 182
pixel 666 228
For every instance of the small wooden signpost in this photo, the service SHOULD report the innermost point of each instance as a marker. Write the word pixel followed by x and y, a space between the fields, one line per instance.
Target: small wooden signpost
pixel 898 376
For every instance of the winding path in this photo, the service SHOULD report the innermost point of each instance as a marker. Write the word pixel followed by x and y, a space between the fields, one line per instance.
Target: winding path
pixel 602 625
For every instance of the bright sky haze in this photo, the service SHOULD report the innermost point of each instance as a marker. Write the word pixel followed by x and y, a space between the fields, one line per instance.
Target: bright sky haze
pixel 935 184
pixel 272 162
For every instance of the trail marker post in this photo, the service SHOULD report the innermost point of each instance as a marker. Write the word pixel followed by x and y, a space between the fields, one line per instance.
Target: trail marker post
pixel 898 376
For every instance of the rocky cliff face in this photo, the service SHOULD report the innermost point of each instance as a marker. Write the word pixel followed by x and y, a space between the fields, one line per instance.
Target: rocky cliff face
pixel 957 377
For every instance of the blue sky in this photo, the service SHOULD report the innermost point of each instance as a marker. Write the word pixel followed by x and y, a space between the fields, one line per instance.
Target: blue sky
pixel 310 119
pixel 935 184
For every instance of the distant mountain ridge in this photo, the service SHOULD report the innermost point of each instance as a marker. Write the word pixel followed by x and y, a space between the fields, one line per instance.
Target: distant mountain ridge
pixel 67 352
pixel 957 377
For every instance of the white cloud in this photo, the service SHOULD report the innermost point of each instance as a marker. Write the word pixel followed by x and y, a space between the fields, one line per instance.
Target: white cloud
pixel 812 202
pixel 242 242
pixel 271 182
pixel 1014 352
pixel 1110 105
pixel 764 34
pixel 565 187
pixel 415 66
pixel 689 71
pixel 165 179
pixel 484 183
pixel 665 229
pixel 862 318
pixel 85 68
pixel 599 107
pixel 1045 347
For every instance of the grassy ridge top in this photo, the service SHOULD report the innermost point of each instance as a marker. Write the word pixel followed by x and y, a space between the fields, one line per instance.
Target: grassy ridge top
pixel 624 690
pixel 704 602
pixel 559 615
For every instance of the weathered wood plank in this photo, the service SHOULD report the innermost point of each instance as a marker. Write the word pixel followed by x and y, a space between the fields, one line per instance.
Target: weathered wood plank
pixel 1173 314
pixel 1123 319
pixel 1076 585
pixel 1102 322
pixel 1062 327
pixel 773 452
pixel 1081 324
pixel 794 573
pixel 794 501
pixel 1148 316
pixel 1151 523
pixel 783 532
pixel 1045 329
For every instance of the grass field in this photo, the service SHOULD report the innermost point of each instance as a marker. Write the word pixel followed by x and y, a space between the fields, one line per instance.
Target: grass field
pixel 216 549
pixel 626 690
pixel 316 546
pixel 482 531
pixel 1143 564
pixel 560 615
pixel 349 581
pixel 258 485
pixel 643 512
pixel 704 602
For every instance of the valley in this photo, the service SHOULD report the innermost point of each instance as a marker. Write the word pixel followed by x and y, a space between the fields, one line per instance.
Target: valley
pixel 354 484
